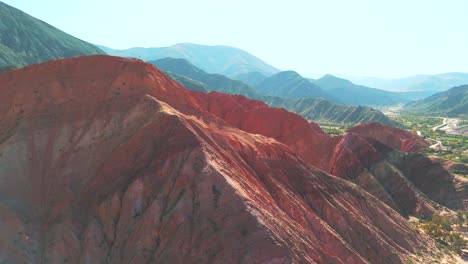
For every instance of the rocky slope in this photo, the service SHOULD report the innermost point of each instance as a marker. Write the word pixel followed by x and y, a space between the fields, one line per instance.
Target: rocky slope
pixel 408 182
pixel 107 160
pixel 26 40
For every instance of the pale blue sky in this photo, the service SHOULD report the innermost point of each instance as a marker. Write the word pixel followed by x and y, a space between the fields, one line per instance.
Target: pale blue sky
pixel 390 38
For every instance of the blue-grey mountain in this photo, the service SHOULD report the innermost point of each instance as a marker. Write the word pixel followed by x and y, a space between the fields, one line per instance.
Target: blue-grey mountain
pixel 349 93
pixel 224 60
pixel 317 109
pixel 290 84
pixel 451 103
pixel 437 82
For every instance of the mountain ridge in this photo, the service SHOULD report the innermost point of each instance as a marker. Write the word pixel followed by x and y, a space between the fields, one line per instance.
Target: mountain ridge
pixel 350 93
pixel 450 103
pixel 137 163
pixel 26 40
pixel 310 108
pixel 435 82
pixel 290 84
pixel 217 59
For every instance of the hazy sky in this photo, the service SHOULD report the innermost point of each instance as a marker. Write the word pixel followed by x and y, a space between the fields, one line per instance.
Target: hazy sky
pixel 388 38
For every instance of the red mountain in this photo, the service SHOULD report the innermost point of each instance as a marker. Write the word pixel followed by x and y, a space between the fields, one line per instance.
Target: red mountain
pixel 391 136
pixel 410 183
pixel 107 160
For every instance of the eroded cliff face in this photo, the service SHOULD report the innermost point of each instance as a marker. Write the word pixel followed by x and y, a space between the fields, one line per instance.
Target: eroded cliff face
pixel 107 160
pixel 408 182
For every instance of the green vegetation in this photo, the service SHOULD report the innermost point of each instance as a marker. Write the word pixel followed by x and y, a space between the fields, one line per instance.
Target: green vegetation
pixel 26 40
pixel 463 123
pixel 423 124
pixel 444 230
pixel 451 103
pixel 457 146
pixel 333 129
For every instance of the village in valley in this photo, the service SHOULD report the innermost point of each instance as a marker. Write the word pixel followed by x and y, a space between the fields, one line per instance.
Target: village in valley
pixel 448 136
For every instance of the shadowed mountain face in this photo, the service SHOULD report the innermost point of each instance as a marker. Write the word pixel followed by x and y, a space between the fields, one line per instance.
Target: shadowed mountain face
pixel 223 60
pixel 26 40
pixel 310 108
pixel 107 160
pixel 451 103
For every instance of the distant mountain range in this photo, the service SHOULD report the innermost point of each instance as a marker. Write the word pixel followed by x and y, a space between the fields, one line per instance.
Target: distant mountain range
pixel 243 66
pixel 212 82
pixel 289 84
pixel 451 103
pixel 26 40
pixel 223 60
pixel 347 92
pixel 323 111
pixel 311 108
pixel 437 82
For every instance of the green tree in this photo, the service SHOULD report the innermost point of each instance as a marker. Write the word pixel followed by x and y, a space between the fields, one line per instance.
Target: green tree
pixel 441 221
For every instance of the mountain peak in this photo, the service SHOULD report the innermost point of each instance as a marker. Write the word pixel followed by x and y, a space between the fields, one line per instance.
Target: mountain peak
pixel 289 73
pixel 333 78
pixel 290 84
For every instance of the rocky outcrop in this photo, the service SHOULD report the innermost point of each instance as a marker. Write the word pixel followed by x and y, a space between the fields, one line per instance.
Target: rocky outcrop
pixel 391 136
pixel 107 160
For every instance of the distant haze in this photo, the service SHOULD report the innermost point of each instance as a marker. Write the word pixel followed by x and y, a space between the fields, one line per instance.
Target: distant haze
pixel 361 37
